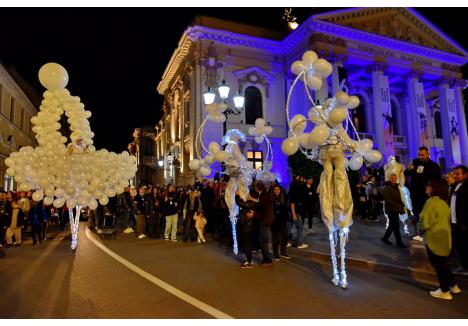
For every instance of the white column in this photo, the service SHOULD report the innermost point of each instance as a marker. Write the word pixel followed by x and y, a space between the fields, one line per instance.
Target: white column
pixel 335 77
pixel 444 114
pixel 412 118
pixel 377 112
pixel 463 134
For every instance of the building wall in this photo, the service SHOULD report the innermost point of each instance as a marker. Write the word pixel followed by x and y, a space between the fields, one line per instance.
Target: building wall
pixel 14 121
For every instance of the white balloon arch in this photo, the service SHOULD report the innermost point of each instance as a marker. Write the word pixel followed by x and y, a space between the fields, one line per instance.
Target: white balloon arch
pixel 76 175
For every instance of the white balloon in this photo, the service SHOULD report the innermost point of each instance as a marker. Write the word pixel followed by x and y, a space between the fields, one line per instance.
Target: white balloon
pixel 205 171
pixel 209 159
pixel 59 202
pixel 321 67
pixel 252 131
pixel 342 98
pixel 213 147
pixel 93 204
pixel 304 140
pixel 221 156
pixel 194 164
pixel 355 163
pixel 314 81
pixel 364 146
pixel 353 102
pixel 267 130
pixel 290 146
pixel 297 67
pixel 53 76
pixel 38 195
pixel 337 115
pixel 259 139
pixel 71 203
pixel 48 200
pixel 298 124
pixel 259 122
pixel 104 200
pixel 309 57
pixel 373 156
pixel 319 134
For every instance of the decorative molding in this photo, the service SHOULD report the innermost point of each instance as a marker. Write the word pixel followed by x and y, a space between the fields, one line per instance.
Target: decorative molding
pixel 254 75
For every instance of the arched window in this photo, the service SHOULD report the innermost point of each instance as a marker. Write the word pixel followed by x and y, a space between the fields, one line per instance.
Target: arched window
pixel 437 124
pixel 253 105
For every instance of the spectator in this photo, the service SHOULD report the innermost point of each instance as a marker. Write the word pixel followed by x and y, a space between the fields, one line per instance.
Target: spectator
pixel 264 212
pixel 170 211
pixel 279 228
pixel 421 171
pixel 128 210
pixel 450 179
pixel 192 206
pixel 155 212
pixel 2 216
pixel 296 201
pixel 363 200
pixel 37 217
pixel 310 199
pixel 142 207
pixel 373 199
pixel 459 216
pixel 14 222
pixel 393 207
pixel 247 225
pixel 434 223
pixel 207 198
pixel 200 223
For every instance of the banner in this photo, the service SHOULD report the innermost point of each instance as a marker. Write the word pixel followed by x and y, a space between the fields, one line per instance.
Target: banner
pixel 453 124
pixel 422 114
pixel 388 121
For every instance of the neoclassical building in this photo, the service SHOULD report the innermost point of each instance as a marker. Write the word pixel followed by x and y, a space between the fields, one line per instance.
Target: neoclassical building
pixel 16 111
pixel 404 69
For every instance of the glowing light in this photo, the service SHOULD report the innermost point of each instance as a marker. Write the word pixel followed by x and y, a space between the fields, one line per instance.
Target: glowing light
pixel 223 90
pixel 209 96
pixel 293 25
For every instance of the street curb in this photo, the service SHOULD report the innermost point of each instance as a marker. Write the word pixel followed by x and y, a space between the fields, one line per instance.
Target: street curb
pixel 373 266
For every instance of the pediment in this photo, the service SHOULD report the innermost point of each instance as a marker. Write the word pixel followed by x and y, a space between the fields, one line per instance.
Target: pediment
pixel 253 74
pixel 404 24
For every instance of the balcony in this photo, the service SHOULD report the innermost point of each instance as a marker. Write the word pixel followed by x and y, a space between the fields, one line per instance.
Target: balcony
pixel 366 135
pixel 400 141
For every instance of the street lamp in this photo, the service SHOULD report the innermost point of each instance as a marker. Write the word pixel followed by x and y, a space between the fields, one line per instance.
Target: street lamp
pixel 160 163
pixel 209 96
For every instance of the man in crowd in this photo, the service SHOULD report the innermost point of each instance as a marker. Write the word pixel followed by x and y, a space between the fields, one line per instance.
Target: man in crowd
pixel 265 213
pixel 459 216
pixel 310 199
pixel 170 211
pixel 421 171
pixel 296 202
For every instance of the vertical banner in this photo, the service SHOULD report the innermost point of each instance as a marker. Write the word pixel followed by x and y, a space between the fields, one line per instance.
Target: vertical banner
pixel 422 114
pixel 453 124
pixel 388 121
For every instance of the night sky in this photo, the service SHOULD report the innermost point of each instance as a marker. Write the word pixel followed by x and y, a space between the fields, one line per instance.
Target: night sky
pixel 115 57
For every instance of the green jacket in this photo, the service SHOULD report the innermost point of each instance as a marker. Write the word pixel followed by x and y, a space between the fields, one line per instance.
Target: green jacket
pixel 434 222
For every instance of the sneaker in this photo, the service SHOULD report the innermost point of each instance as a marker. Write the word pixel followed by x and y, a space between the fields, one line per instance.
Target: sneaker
pixel 418 238
pixel 141 236
pixel 303 246
pixel 311 232
pixel 455 289
pixel 167 239
pixel 277 258
pixel 270 264
pixel 130 230
pixel 99 231
pixel 246 265
pixel 174 240
pixel 441 295
pixel 285 256
pixel 203 240
pixel 198 240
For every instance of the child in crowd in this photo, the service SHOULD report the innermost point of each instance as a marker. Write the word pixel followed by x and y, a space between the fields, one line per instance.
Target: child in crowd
pixel 200 223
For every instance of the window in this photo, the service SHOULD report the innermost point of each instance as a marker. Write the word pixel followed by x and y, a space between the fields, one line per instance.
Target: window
pixel 256 159
pixel 253 105
pixel 437 124
pixel 394 129
pixel 12 109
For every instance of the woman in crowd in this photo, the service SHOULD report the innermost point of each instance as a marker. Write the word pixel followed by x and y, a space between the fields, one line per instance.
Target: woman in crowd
pixel 279 228
pixel 155 213
pixel 247 225
pixel 192 206
pixel 393 208
pixel 434 223
pixel 200 223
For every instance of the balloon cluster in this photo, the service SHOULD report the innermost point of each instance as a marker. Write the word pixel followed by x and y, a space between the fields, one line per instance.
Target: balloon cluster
pixel 215 112
pixel 80 175
pixel 260 131
pixel 327 119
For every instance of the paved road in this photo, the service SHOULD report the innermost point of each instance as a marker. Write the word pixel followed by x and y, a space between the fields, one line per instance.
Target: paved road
pixel 49 281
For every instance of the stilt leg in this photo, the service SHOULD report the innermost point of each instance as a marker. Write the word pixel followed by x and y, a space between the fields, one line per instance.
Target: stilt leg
pixel 336 277
pixel 343 240
pixel 234 235
pixel 74 225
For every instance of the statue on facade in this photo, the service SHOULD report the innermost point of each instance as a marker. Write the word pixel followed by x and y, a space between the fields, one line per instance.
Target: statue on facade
pixel 328 142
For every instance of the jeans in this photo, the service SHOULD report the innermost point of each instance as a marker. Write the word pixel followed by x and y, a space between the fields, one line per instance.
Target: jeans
pixel 280 240
pixel 460 242
pixel 247 234
pixel 36 229
pixel 171 226
pixel 444 273
pixel 309 215
pixel 265 239
pixel 394 226
pixel 298 224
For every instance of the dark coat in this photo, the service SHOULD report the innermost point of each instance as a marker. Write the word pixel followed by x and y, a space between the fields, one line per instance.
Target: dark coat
pixel 461 206
pixel 245 206
pixel 418 181
pixel 264 209
pixel 169 206
pixel 392 196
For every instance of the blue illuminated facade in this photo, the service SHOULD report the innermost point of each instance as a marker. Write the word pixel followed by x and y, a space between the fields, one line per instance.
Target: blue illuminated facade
pixel 371 49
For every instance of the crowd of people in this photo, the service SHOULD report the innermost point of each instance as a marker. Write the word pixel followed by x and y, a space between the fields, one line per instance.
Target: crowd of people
pixel 271 215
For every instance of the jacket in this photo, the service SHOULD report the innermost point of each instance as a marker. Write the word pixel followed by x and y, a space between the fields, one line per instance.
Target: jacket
pixel 461 205
pixel 392 197
pixel 434 222
pixel 169 206
pixel 264 209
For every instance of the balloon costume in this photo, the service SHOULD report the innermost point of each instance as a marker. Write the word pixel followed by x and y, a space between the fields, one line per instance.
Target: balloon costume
pixel 328 142
pixel 77 175
pixel 236 165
